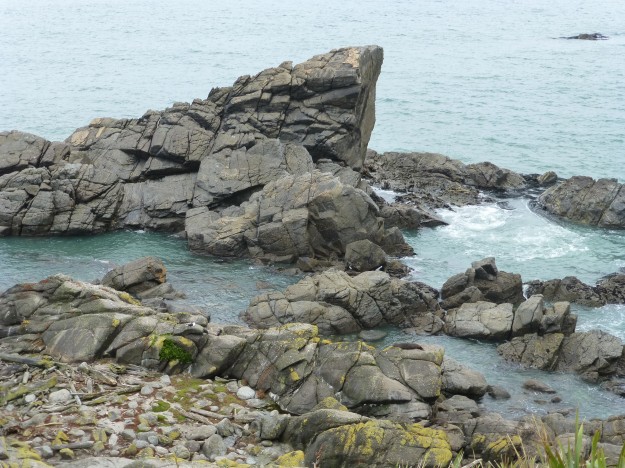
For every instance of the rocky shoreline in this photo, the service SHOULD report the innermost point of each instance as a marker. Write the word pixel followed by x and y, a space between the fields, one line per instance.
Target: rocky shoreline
pixel 276 168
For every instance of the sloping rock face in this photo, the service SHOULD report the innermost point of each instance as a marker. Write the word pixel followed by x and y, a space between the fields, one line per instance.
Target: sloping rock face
pixel 212 154
pixel 587 201
pixel 608 290
pixel 338 303
pixel 438 181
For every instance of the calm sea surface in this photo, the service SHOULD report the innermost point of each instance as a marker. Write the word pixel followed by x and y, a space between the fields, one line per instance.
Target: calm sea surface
pixel 475 80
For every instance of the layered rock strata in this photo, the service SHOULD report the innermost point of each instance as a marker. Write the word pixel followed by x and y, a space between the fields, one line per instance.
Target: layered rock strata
pixel 218 168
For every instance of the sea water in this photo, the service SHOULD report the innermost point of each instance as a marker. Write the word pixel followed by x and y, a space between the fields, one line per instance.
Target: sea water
pixel 475 80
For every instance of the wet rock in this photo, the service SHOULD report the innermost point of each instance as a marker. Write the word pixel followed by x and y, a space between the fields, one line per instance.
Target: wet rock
pixel 588 37
pixel 372 335
pixel 537 386
pixel 498 393
pixel 137 276
pixel 586 201
pixel 436 181
pixel 547 179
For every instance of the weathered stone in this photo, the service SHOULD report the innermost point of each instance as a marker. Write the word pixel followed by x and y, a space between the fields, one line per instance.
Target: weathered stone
pixel 587 201
pixel 484 320
pixel 137 276
pixel 461 380
pixel 364 255
pixel 528 316
pixel 537 386
pixel 540 352
pixel 338 303
pixel 482 282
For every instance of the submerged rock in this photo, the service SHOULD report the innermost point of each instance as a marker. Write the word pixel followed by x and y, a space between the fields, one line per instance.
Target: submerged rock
pixel 608 290
pixel 588 37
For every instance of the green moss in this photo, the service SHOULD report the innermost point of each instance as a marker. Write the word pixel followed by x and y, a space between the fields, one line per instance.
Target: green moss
pixel 171 351
pixel 160 406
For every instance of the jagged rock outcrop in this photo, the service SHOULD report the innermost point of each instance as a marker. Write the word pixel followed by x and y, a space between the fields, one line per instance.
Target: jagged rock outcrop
pixel 310 215
pixel 482 282
pixel 587 201
pixel 137 276
pixel 338 303
pixel 437 181
pixel 608 290
pixel 210 155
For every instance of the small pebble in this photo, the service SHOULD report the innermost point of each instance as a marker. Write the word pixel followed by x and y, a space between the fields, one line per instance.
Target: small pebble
pixel 113 440
pixel 147 390
pixel 165 380
pixel 232 386
pixel 60 396
pixel 30 398
pixel 141 444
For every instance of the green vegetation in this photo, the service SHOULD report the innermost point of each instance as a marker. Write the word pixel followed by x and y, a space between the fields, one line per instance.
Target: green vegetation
pixel 171 351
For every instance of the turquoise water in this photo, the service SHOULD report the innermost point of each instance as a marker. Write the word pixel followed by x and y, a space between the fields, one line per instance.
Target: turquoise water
pixel 475 80
pixel 222 289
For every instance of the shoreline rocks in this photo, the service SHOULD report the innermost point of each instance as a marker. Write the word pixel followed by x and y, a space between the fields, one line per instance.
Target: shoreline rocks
pixel 584 200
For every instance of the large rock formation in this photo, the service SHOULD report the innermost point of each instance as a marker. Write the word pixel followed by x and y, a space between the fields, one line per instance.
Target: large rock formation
pixel 587 201
pixel 338 303
pixel 186 166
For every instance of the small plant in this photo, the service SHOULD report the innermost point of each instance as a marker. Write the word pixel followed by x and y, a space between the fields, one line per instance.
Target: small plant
pixel 171 351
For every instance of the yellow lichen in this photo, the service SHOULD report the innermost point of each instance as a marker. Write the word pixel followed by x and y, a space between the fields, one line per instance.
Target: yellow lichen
pixel 294 375
pixel 124 296
pixel 291 459
pixel 116 322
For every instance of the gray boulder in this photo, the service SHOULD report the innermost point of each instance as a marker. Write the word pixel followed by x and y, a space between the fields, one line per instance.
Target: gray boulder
pixel 137 276
pixel 338 303
pixel 484 320
pixel 586 201
pixel 364 255
pixel 462 380
pixel 482 282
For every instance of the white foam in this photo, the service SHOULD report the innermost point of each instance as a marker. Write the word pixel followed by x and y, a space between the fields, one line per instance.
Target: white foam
pixel 387 195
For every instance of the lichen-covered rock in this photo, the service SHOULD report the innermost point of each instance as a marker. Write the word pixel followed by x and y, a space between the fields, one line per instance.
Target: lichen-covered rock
pixel 587 201
pixel 338 303
pixel 379 443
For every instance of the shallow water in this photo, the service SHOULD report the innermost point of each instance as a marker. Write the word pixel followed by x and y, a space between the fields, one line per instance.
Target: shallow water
pixel 222 288
pixel 476 80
